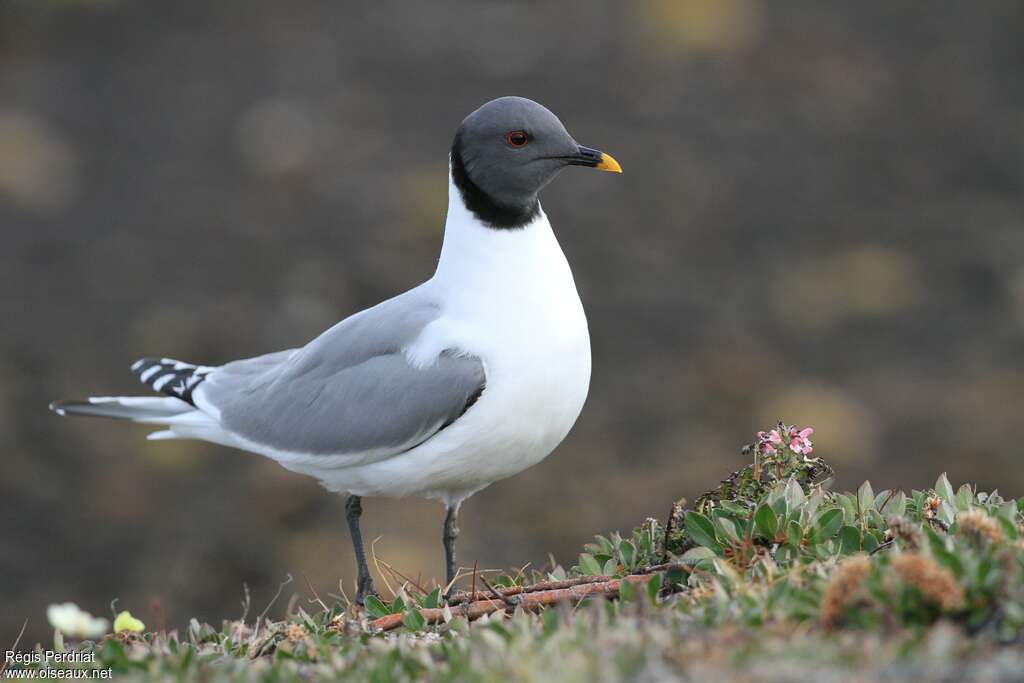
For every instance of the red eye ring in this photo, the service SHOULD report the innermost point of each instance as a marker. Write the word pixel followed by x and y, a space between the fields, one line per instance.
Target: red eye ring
pixel 517 138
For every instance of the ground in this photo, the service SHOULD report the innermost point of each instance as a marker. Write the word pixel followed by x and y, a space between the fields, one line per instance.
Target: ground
pixel 771 576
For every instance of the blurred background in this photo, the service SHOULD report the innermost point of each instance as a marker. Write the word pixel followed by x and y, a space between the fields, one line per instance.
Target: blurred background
pixel 821 219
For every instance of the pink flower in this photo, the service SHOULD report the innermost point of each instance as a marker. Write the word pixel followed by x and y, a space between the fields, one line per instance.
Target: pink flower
pixel 769 441
pixel 800 442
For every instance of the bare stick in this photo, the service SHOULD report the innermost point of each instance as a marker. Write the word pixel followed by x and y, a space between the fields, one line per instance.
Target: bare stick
pixel 533 601
pixel 510 604
pixel 460 598
pixel 280 588
pixel 312 590
pixel 403 577
pixel 376 563
pixel 14 647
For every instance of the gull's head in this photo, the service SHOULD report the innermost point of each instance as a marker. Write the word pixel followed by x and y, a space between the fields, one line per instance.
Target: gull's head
pixel 506 151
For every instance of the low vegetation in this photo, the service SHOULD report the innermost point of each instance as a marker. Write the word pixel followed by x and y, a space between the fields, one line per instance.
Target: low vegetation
pixel 770 574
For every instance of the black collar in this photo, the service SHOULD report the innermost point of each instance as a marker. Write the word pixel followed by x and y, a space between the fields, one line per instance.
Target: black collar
pixel 482 205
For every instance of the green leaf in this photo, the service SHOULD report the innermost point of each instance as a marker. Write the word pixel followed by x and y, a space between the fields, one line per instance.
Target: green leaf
pixel 875 520
pixel 947 513
pixel 849 540
pixel 627 551
pixel 432 599
pixel 551 620
pixel 779 508
pixel 653 588
pixel 695 555
pixel 964 498
pixel 944 489
pixel 866 497
pixel 794 533
pixel 869 543
pixel 701 530
pixel 785 554
pixel 896 507
pixel 728 529
pixel 627 591
pixel 734 507
pixel 375 608
pixel 398 605
pixel 941 552
pixel 1009 528
pixel 766 522
pixel 794 495
pixel 828 524
pixel 849 507
pixel 413 620
pixel 588 565
pixel 611 568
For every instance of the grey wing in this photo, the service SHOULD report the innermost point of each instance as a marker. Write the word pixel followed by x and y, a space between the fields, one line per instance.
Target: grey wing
pixel 351 391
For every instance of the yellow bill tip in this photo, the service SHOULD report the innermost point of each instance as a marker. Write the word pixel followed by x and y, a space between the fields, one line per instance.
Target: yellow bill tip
pixel 608 163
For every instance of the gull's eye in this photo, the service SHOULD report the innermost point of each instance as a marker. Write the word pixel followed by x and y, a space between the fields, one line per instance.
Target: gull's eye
pixel 517 138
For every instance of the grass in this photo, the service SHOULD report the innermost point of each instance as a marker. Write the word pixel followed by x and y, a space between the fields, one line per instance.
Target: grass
pixel 771 576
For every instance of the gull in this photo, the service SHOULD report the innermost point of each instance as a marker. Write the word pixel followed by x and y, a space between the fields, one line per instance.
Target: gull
pixel 469 378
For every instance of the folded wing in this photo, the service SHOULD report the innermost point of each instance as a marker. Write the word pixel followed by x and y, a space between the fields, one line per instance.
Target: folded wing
pixel 350 392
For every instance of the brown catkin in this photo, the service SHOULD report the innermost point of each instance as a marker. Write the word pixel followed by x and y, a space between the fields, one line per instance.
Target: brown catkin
pixel 842 588
pixel 296 633
pixel 906 532
pixel 936 583
pixel 979 526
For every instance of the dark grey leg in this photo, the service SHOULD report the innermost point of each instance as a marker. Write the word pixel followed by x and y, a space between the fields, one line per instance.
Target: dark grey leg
pixel 451 532
pixel 364 585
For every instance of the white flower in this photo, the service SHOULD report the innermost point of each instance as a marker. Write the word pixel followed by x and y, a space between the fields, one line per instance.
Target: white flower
pixel 70 620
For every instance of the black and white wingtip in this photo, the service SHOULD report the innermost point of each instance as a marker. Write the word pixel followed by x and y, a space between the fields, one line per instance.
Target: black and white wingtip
pixel 172 377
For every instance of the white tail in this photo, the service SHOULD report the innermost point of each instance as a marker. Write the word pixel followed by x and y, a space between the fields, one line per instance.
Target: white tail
pixel 147 409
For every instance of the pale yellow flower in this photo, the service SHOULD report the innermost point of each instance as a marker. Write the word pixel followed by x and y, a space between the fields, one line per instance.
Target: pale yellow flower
pixel 126 622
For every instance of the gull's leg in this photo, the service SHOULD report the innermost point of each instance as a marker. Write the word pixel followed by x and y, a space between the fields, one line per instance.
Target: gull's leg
pixel 364 586
pixel 451 532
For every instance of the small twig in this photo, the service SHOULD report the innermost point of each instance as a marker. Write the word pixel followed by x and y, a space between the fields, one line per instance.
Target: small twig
pixel 344 594
pixel 881 546
pixel 14 648
pixel 510 604
pixel 316 596
pixel 472 586
pixel 246 603
pixel 414 584
pixel 280 588
pixel 376 563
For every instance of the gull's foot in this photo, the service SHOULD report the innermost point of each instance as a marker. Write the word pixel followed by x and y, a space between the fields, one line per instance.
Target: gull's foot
pixel 365 588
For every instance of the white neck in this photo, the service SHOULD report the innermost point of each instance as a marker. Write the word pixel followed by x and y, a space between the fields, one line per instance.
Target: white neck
pixel 473 251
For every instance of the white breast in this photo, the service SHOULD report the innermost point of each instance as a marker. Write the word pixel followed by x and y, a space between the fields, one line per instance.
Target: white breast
pixel 508 297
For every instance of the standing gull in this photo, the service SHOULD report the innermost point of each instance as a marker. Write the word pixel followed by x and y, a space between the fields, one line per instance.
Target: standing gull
pixel 471 377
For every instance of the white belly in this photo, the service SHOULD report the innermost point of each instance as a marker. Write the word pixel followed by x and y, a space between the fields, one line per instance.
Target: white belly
pixel 535 390
pixel 510 300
